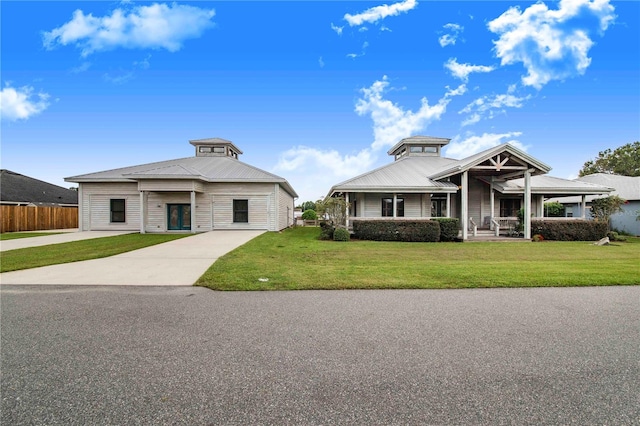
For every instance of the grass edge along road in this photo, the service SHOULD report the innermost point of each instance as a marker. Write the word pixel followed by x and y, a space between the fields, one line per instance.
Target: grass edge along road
pixel 7 236
pixel 295 259
pixel 54 254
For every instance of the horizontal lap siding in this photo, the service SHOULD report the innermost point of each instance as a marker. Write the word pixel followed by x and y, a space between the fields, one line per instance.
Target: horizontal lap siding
pixel 156 218
pixel 258 211
pixel 285 209
pixel 96 206
pixel 373 204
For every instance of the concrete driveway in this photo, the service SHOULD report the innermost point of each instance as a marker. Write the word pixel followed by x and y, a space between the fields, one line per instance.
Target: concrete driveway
pixel 180 262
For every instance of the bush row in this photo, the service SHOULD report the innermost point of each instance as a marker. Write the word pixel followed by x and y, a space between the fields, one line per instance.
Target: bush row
pixel 411 231
pixel 572 230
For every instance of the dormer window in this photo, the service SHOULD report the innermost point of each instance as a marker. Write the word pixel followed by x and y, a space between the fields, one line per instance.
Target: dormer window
pixel 215 147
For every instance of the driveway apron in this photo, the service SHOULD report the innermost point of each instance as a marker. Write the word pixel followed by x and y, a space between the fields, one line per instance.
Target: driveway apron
pixel 175 263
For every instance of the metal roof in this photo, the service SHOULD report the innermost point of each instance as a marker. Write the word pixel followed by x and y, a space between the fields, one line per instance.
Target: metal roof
pixel 208 169
pixel 214 141
pixel 549 186
pixel 626 187
pixel 409 174
pixel 419 140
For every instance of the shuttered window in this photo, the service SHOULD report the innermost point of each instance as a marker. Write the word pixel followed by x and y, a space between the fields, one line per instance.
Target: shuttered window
pixel 117 210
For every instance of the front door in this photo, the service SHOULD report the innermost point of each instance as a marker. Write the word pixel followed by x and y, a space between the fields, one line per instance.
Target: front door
pixel 179 217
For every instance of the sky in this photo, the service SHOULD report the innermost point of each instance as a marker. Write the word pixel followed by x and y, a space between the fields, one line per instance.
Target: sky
pixel 313 91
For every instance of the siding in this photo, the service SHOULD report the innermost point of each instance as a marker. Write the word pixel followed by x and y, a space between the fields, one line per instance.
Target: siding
pixel 95 206
pixel 285 208
pixel 477 198
pixel 170 185
pixel 370 204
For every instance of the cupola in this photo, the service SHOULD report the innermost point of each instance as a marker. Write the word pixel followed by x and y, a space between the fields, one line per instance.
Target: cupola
pixel 215 147
pixel 418 146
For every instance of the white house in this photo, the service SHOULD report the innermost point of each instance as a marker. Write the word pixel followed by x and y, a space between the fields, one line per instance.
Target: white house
pixel 212 190
pixel 625 187
pixel 484 191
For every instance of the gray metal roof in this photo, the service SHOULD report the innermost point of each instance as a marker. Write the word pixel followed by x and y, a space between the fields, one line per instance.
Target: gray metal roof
pixel 419 140
pixel 626 187
pixel 409 174
pixel 208 169
pixel 550 186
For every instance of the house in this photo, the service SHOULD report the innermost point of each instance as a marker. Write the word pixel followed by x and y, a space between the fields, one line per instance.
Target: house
pixel 21 190
pixel 484 191
pixel 625 187
pixel 211 190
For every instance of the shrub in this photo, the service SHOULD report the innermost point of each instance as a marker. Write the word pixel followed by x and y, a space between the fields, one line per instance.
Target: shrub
pixel 553 209
pixel 309 215
pixel 615 236
pixel 390 230
pixel 341 234
pixel 326 231
pixel 570 230
pixel 449 228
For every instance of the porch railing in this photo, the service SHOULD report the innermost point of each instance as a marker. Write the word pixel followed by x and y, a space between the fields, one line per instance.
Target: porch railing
pixel 473 226
pixel 495 226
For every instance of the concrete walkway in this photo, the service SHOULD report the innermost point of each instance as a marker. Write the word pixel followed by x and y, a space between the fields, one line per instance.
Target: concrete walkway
pixel 65 237
pixel 176 263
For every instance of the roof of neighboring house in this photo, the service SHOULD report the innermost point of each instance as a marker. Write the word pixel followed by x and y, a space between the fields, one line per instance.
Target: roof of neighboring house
pixel 17 188
pixel 207 169
pixel 549 185
pixel 626 187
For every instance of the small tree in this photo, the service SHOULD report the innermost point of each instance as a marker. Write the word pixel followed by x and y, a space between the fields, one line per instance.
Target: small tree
pixel 554 209
pixel 603 208
pixel 309 215
pixel 335 210
pixel 307 205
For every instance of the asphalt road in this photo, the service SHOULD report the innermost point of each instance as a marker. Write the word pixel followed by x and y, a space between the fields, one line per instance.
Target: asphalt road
pixel 162 355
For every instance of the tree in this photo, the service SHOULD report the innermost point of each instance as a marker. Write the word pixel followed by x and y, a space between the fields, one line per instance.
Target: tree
pixel 307 205
pixel 554 209
pixel 309 215
pixel 335 210
pixel 603 208
pixel 624 161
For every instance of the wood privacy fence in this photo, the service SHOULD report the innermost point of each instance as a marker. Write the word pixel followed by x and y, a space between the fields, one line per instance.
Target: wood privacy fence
pixel 26 218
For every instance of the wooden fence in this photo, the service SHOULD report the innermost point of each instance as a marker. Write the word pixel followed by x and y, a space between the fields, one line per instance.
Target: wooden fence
pixel 26 218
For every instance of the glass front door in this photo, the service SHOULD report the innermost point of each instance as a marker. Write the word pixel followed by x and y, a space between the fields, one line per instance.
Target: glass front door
pixel 179 217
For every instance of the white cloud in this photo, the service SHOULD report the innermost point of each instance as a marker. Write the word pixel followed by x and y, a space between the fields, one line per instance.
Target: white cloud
pixel 81 68
pixel 362 53
pixel 551 44
pixel 390 121
pixel 464 146
pixel 489 106
pixel 462 71
pixel 158 26
pixel 378 13
pixel 321 62
pixel 337 29
pixel 452 37
pixel 21 103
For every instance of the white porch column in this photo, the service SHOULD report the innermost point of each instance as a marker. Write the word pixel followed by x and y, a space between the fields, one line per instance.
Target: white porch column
pixel 193 212
pixel 540 206
pixel 143 210
pixel 492 203
pixel 527 205
pixel 346 199
pixel 395 205
pixel 465 205
pixel 584 207
pixel 448 204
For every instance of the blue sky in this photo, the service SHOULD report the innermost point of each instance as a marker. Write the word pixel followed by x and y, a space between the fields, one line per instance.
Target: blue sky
pixel 316 92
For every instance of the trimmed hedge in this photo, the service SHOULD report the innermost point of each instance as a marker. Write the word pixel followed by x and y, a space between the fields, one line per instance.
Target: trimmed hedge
pixel 570 230
pixel 449 228
pixel 391 230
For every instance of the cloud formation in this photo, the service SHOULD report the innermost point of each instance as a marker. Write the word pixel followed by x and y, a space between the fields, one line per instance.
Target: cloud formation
pixel 551 44
pixel 337 29
pixel 390 121
pixel 452 37
pixel 491 105
pixel 378 13
pixel 462 71
pixel 21 103
pixel 464 146
pixel 158 26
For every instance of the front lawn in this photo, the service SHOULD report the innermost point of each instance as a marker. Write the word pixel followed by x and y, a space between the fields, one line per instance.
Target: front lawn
pixel 33 257
pixel 295 259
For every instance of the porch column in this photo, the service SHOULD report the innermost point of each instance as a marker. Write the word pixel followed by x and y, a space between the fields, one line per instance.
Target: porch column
pixel 346 199
pixel 193 212
pixel 143 210
pixel 540 206
pixel 584 207
pixel 464 205
pixel 395 205
pixel 527 204
pixel 448 204
pixel 492 203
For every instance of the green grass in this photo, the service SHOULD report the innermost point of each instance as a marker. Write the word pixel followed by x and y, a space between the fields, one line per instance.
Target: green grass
pixel 296 259
pixel 17 235
pixel 75 251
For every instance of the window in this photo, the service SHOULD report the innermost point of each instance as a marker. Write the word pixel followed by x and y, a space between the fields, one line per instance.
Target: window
pixel 218 149
pixel 117 210
pixel 241 211
pixel 415 149
pixel 509 207
pixel 438 206
pixel 205 149
pixel 387 207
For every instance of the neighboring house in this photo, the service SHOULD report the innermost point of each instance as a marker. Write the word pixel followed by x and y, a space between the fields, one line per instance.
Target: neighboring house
pixel 484 191
pixel 21 190
pixel 626 187
pixel 212 190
